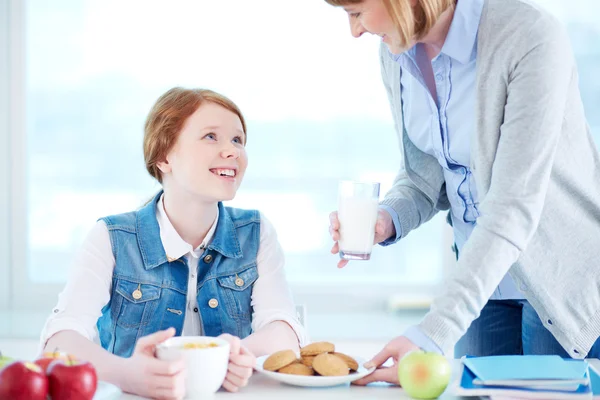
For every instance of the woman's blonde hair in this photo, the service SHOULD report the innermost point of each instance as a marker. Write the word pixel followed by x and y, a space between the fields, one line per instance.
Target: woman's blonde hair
pixel 411 22
pixel 167 118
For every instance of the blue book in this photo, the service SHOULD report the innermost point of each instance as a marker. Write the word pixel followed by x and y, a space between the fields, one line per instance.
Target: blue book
pixel 533 371
pixel 469 383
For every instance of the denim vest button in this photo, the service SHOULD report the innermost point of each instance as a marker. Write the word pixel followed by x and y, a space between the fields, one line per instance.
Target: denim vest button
pixel 239 282
pixel 213 303
pixel 208 259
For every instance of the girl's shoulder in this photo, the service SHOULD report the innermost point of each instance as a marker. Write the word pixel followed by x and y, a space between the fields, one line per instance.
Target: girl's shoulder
pixel 242 215
pixel 120 221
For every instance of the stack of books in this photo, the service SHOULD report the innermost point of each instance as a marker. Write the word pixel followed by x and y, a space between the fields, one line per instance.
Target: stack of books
pixel 527 377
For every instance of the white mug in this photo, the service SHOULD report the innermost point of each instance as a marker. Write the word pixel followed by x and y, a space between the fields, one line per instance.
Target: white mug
pixel 206 360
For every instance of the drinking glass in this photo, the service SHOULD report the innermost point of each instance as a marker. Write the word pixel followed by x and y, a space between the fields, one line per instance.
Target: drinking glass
pixel 357 212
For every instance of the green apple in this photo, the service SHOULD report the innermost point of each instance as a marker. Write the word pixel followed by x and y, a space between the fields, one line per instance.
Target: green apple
pixel 424 375
pixel 4 360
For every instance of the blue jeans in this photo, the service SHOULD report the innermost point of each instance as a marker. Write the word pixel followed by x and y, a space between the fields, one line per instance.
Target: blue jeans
pixel 507 327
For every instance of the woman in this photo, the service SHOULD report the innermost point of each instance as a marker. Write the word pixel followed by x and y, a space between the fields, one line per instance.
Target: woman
pixel 183 264
pixel 487 109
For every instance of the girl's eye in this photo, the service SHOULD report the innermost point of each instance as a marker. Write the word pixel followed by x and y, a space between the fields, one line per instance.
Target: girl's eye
pixel 238 139
pixel 211 136
pixel 355 15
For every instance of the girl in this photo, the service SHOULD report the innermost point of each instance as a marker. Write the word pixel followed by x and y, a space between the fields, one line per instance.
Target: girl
pixel 485 98
pixel 183 264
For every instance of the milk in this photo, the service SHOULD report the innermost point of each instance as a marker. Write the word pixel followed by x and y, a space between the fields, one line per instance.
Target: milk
pixel 357 216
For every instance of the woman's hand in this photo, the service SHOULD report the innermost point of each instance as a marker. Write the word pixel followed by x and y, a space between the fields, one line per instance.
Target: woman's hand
pixel 384 229
pixel 396 349
pixel 147 376
pixel 241 364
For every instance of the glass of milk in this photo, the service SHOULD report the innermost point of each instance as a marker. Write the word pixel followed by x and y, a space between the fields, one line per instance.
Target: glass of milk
pixel 357 212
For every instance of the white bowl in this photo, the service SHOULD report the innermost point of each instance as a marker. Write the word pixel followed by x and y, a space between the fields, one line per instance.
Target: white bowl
pixel 206 367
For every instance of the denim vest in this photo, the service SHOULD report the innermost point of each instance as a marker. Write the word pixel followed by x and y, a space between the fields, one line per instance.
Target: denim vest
pixel 149 291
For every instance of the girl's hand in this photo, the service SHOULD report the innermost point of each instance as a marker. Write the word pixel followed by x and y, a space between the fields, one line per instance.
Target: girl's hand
pixel 147 376
pixel 384 229
pixel 241 364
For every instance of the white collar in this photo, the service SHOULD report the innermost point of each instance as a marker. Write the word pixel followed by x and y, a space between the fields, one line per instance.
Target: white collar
pixel 174 245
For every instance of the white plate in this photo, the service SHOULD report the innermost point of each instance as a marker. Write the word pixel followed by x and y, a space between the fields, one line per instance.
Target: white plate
pixel 106 391
pixel 315 381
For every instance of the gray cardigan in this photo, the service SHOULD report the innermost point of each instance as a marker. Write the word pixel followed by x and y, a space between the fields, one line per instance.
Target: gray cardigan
pixel 538 177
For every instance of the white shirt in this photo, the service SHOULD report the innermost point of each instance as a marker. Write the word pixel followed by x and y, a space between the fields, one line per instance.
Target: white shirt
pixel 89 284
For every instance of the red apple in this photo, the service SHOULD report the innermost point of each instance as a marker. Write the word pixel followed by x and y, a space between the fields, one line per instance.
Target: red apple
pixel 23 381
pixel 46 358
pixel 72 380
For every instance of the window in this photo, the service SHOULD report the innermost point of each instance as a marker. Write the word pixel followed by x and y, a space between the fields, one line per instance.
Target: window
pixel 82 75
pixel 315 105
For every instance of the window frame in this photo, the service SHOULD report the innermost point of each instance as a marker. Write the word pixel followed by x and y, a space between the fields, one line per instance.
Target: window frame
pixel 25 294
pixel 5 226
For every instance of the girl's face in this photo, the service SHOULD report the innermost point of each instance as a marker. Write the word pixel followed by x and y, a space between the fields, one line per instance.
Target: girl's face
pixel 209 157
pixel 372 16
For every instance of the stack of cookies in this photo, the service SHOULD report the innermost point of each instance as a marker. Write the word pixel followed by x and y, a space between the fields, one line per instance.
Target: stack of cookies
pixel 317 358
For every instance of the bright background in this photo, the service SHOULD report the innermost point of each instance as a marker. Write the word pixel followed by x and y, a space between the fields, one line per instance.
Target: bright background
pixel 77 78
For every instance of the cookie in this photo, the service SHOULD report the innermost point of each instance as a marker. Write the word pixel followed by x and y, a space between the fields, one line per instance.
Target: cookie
pixel 330 365
pixel 279 360
pixel 352 364
pixel 307 360
pixel 297 369
pixel 314 349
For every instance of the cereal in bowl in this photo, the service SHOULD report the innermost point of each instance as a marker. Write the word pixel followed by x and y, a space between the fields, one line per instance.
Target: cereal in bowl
pixel 199 345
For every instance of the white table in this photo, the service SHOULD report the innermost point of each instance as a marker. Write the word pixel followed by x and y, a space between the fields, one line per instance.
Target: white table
pixel 260 387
